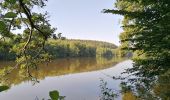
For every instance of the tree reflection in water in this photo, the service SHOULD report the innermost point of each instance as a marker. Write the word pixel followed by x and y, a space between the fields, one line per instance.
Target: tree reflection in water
pixel 135 88
pixel 55 68
pixel 157 88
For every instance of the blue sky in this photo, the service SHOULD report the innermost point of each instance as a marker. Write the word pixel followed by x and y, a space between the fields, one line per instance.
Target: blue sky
pixel 83 19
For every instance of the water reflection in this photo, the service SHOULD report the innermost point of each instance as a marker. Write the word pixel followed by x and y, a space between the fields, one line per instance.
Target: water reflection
pixel 58 67
pixel 77 79
pixel 162 88
pixel 154 88
pixel 157 90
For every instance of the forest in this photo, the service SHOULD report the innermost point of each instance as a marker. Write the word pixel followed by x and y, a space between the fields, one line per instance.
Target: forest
pixel 81 48
pixel 145 37
pixel 59 48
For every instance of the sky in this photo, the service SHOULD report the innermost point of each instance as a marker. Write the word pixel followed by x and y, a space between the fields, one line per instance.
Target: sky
pixel 83 19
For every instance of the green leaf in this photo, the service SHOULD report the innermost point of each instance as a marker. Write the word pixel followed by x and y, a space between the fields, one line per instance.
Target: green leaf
pixel 54 95
pixel 10 15
pixel 2 25
pixel 11 1
pixel 3 88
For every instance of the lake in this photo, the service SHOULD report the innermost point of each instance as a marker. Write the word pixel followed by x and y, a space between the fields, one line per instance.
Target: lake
pixel 75 78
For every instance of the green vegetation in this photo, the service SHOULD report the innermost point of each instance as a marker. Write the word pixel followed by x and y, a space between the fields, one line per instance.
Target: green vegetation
pixel 3 88
pixel 18 17
pixel 65 48
pixel 146 25
pixel 106 93
pixel 80 48
pixel 54 95
pixel 146 33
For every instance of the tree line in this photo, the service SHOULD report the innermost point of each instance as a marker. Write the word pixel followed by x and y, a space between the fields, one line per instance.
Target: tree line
pixel 80 48
pixel 58 48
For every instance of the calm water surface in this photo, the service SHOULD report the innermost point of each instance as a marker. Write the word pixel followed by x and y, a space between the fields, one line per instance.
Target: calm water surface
pixel 75 78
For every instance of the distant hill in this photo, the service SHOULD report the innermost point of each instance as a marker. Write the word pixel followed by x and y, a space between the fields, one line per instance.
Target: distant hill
pixel 80 48
pixel 95 43
pixel 70 48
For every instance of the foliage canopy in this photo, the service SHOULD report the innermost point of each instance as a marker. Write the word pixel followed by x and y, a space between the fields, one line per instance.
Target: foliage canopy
pixel 17 17
pixel 146 32
pixel 146 27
